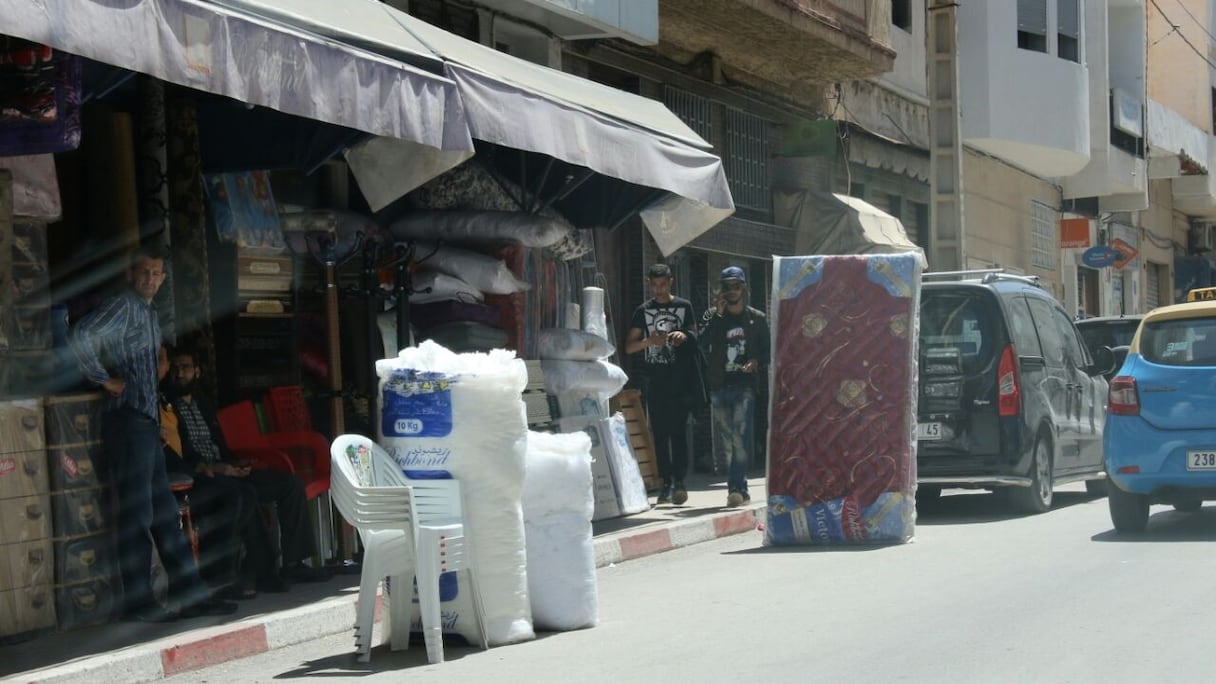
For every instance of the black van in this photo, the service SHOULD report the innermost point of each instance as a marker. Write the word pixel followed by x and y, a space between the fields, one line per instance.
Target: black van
pixel 1009 397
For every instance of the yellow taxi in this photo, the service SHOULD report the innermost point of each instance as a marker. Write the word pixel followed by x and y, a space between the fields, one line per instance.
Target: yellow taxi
pixel 1160 437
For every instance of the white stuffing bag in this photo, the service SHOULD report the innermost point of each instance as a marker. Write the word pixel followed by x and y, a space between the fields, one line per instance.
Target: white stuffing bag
pixel 528 230
pixel 463 415
pixel 565 344
pixel 558 506
pixel 590 376
pixel 630 486
pixel 442 287
pixel 485 273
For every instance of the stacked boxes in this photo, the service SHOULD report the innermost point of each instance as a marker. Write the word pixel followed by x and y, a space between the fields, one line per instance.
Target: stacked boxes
pixel 86 573
pixel 25 521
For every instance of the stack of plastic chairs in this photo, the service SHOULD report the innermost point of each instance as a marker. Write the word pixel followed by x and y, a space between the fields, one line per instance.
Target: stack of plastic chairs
pixel 409 528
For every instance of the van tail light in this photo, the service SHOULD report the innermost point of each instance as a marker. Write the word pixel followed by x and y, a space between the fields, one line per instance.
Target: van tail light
pixel 1124 399
pixel 1009 388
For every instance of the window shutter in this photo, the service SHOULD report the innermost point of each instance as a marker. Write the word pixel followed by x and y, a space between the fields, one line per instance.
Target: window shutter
pixel 1032 16
pixel 1069 15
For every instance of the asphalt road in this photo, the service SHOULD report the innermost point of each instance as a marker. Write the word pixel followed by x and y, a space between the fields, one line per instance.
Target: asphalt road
pixel 980 596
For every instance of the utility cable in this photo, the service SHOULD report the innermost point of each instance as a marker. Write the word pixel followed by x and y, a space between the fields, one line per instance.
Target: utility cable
pixel 1182 35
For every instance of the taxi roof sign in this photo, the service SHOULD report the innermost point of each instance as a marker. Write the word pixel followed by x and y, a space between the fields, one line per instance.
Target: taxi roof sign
pixel 1201 294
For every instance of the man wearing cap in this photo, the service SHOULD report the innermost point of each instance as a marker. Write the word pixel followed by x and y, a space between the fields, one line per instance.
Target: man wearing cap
pixel 736 342
pixel 658 329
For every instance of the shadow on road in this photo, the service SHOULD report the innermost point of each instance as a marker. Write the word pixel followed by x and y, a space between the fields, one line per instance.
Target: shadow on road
pixel 1169 525
pixel 383 660
pixel 976 507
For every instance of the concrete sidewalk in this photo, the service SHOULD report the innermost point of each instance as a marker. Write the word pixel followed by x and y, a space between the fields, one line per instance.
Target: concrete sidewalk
pixel 137 652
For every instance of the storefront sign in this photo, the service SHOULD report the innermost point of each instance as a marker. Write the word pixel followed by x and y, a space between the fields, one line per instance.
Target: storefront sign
pixel 1074 233
pixel 1127 253
pixel 1099 257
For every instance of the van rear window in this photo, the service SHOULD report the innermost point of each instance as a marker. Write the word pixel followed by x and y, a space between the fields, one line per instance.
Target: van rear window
pixel 1180 342
pixel 958 320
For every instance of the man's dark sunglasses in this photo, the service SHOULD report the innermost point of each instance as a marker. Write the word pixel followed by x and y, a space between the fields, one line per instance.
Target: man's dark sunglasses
pixel 731 287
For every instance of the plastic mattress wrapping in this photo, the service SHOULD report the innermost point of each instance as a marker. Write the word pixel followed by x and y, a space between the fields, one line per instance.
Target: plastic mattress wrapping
pixel 558 506
pixel 842 435
pixel 462 415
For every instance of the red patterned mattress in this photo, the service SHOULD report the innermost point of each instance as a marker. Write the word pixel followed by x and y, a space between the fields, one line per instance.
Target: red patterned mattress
pixel 842 462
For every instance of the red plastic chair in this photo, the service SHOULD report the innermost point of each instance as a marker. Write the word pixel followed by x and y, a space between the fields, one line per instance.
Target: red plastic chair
pixel 303 452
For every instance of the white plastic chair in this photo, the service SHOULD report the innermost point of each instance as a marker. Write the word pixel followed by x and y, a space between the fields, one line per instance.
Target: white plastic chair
pixel 409 528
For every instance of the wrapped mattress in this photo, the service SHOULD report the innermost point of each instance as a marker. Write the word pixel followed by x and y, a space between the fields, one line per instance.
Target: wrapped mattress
pixel 842 436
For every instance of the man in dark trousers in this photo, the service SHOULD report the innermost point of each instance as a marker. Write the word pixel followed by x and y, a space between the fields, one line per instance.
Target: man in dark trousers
pixel 660 326
pixel 737 343
pixel 205 452
pixel 229 512
pixel 117 345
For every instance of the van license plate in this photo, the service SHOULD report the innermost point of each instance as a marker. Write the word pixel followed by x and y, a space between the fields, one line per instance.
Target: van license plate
pixel 1201 460
pixel 930 431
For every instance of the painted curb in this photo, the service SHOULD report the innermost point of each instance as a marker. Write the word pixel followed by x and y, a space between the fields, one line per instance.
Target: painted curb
pixel 206 647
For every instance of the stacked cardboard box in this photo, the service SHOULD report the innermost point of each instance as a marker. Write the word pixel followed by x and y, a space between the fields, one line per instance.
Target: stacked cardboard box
pixel 86 572
pixel 25 523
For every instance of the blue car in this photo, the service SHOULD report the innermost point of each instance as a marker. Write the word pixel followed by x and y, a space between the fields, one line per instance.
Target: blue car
pixel 1160 438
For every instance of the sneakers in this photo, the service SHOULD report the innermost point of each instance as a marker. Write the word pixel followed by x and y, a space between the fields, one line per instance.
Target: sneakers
pixel 665 495
pixel 735 499
pixel 679 495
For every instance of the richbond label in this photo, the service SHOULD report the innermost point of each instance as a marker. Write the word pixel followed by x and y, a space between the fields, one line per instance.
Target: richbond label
pixel 416 405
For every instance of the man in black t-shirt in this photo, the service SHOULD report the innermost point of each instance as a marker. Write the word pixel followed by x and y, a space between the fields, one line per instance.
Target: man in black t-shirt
pixel 736 341
pixel 657 330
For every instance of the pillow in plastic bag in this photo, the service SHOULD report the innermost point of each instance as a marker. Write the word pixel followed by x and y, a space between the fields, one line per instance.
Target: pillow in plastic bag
pixel 485 273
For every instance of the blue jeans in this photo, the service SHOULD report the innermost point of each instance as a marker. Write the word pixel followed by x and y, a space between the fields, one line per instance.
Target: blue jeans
pixel 147 513
pixel 734 410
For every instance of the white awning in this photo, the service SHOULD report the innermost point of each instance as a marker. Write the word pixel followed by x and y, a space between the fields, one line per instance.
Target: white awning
pixel 1171 134
pixel 227 51
pixel 521 105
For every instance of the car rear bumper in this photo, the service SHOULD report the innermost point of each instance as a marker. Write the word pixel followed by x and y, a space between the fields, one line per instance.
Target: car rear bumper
pixel 1160 455
pixel 951 468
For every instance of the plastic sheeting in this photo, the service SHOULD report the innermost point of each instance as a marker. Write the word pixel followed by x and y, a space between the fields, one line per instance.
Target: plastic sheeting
pixel 463 415
pixel 838 224
pixel 842 435
pixel 558 506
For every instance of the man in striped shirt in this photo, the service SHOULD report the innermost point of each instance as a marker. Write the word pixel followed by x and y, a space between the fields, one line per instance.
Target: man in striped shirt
pixel 117 346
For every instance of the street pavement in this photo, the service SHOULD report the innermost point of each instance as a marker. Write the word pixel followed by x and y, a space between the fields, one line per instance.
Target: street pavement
pixel 982 595
pixel 136 652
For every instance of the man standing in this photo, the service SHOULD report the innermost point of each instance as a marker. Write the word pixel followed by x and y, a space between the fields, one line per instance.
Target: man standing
pixel 117 346
pixel 658 329
pixel 205 452
pixel 736 340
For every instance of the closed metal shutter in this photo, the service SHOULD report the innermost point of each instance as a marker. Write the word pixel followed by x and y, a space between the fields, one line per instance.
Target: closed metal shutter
pixel 1068 12
pixel 1032 16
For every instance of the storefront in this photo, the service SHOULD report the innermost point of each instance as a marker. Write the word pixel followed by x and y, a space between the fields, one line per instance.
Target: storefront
pixel 336 126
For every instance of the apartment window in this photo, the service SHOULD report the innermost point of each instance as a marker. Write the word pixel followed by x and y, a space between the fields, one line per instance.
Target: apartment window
pixel 895 206
pixel 695 111
pixel 1068 30
pixel 901 14
pixel 1032 25
pixel 1043 230
pixel 747 159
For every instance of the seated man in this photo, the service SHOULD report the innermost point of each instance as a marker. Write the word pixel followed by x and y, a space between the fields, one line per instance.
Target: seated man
pixel 206 452
pixel 226 509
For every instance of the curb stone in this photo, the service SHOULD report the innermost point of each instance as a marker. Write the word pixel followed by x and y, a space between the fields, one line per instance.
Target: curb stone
pixel 210 646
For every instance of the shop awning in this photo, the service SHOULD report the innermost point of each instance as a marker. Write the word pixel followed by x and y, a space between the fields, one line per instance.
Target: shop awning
pixel 520 105
pixel 230 52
